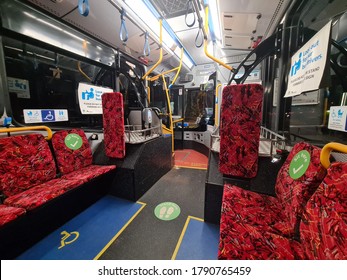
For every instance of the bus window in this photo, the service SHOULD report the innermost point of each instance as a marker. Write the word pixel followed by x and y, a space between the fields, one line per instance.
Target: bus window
pixel 43 80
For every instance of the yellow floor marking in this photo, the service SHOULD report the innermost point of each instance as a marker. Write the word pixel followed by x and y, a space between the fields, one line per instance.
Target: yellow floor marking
pixel 190 167
pixel 120 231
pixel 178 245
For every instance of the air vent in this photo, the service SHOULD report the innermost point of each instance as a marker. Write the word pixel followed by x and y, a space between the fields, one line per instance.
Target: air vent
pixel 240 23
pixel 238 42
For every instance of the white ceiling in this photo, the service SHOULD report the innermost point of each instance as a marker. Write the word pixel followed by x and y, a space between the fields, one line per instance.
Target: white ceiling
pixel 103 22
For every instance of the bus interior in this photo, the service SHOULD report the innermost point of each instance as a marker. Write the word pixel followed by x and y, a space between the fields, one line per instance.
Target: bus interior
pixel 173 129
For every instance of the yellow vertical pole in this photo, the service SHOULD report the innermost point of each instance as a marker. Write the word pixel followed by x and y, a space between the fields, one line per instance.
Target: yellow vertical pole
pixel 216 107
pixel 170 113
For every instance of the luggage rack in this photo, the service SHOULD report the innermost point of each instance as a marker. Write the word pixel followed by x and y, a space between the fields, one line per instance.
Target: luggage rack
pixel 269 142
pixel 134 134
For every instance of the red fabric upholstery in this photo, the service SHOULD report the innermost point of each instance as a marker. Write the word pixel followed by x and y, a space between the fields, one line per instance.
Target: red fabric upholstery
pixel 69 160
pixel 240 206
pixel 8 214
pixel 240 130
pixel 246 242
pixel 88 173
pixel 25 161
pixel 41 194
pixel 269 218
pixel 323 228
pixel 293 194
pixel 113 120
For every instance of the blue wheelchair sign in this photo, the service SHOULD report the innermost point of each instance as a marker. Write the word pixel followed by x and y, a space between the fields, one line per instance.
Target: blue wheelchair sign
pixel 48 115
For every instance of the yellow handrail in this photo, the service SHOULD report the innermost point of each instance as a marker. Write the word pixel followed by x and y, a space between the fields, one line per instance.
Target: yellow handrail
pixel 325 153
pixel 179 69
pixel 26 128
pixel 205 45
pixel 149 95
pixel 178 120
pixel 216 121
pixel 81 71
pixel 161 50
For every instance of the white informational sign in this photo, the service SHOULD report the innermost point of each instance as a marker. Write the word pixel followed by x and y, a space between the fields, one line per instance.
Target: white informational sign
pixel 338 118
pixel 19 86
pixel 89 97
pixel 308 64
pixel 45 115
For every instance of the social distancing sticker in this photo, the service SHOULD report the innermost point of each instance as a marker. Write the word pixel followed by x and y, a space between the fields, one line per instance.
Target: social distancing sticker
pixel 167 211
pixel 299 164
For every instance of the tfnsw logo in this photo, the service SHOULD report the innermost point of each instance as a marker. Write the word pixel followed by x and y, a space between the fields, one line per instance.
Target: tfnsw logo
pixel 296 66
pixel 92 94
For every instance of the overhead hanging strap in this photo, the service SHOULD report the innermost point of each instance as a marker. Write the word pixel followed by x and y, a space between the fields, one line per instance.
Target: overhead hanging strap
pixel 83 7
pixel 146 47
pixel 161 50
pixel 123 33
pixel 200 34
pixel 190 7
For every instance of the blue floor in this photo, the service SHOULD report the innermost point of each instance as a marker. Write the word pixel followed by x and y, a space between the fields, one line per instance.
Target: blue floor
pixel 86 235
pixel 200 241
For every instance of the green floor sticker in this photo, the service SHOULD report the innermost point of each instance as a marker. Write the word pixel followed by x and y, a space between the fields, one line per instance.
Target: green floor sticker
pixel 73 141
pixel 299 164
pixel 167 211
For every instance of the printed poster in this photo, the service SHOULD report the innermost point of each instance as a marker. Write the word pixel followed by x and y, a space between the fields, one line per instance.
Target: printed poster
pixel 89 97
pixel 310 64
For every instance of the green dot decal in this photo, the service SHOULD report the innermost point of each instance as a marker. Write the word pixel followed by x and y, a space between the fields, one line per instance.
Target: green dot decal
pixel 299 164
pixel 73 141
pixel 167 211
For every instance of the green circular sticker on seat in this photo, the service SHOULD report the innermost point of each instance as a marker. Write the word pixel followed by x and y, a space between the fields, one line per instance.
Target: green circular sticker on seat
pixel 167 211
pixel 299 164
pixel 73 141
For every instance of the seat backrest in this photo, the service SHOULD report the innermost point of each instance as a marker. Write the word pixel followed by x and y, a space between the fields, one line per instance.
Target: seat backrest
pixel 323 228
pixel 113 121
pixel 25 161
pixel 298 179
pixel 72 150
pixel 240 130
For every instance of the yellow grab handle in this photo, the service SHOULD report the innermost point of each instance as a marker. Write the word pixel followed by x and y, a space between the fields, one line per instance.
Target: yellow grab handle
pixel 325 153
pixel 205 44
pixel 28 128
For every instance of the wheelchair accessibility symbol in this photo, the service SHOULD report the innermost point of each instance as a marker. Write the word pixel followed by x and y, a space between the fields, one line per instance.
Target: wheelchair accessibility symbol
pixel 48 115
pixel 68 238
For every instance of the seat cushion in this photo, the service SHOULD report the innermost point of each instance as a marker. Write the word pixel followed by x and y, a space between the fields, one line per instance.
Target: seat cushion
pixel 293 193
pixel 262 211
pixel 41 194
pixel 8 213
pixel 87 173
pixel 323 229
pixel 25 161
pixel 72 150
pixel 240 130
pixel 246 242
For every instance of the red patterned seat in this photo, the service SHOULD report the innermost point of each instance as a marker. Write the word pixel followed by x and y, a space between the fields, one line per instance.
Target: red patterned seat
pixel 40 194
pixel 281 216
pixel 240 130
pixel 25 161
pixel 113 121
pixel 75 162
pixel 323 229
pixel 8 213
